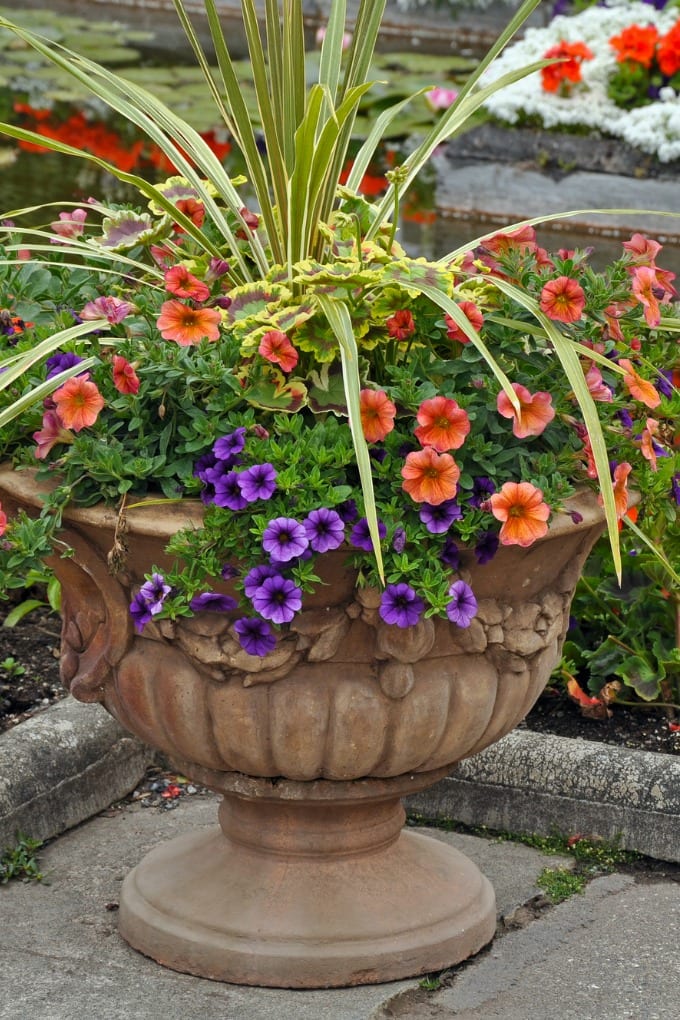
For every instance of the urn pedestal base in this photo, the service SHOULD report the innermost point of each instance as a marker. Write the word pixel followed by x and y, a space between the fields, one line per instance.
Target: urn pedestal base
pixel 308 885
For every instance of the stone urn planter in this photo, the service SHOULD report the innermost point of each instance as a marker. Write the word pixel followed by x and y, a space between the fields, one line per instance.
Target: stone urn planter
pixel 309 881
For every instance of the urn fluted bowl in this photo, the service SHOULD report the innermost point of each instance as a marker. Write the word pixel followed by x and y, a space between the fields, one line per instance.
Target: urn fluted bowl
pixel 312 747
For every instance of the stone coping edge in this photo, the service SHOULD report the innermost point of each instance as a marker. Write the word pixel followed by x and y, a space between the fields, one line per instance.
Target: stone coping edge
pixel 72 760
pixel 537 783
pixel 61 767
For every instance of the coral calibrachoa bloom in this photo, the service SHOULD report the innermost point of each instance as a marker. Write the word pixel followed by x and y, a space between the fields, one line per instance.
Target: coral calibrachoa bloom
pixel 227 392
pixel 619 75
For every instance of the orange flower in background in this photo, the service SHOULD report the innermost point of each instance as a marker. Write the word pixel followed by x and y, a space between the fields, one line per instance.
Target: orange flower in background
pixel 638 387
pixel 668 51
pixel 377 415
pixel 78 402
pixel 535 411
pixel 472 312
pixel 277 348
pixel 641 250
pixel 180 282
pixel 561 76
pixel 186 325
pixel 563 299
pixel 430 477
pixel 401 325
pixel 521 508
pixel 442 424
pixel 636 43
pixel 125 379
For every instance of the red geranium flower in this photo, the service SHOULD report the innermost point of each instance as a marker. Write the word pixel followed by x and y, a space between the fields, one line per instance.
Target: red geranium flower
pixel 636 43
pixel 401 325
pixel 561 76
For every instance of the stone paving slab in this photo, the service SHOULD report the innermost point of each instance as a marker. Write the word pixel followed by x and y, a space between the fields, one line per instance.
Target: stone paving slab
pixel 63 959
pixel 609 954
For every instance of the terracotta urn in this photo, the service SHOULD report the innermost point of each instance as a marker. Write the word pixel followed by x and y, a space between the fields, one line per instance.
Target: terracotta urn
pixel 309 881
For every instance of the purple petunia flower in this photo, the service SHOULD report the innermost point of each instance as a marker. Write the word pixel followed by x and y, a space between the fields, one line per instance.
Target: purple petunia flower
pixel 60 362
pixel 482 488
pixel 212 602
pixel 399 539
pixel 277 599
pixel 664 383
pixel 625 418
pixel 450 554
pixel 348 511
pixel 228 447
pixel 360 536
pixel 228 492
pixel 462 608
pixel 257 482
pixel 154 592
pixel 399 605
pixel 140 613
pixel 284 539
pixel 255 636
pixel 438 519
pixel 675 487
pixel 203 464
pixel 256 577
pixel 228 572
pixel 149 601
pixel 487 546
pixel 325 529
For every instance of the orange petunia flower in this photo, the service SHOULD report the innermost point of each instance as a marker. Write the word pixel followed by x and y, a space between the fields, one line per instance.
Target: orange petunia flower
pixel 644 286
pixel 377 415
pixel 641 250
pixel 521 508
pixel 193 209
pixel 636 43
pixel 535 413
pixel 472 312
pixel 430 477
pixel 597 387
pixel 125 379
pixel 563 299
pixel 78 402
pixel 638 387
pixel 647 447
pixel 186 325
pixel 621 472
pixel 442 424
pixel 183 284
pixel 401 325
pixel 277 348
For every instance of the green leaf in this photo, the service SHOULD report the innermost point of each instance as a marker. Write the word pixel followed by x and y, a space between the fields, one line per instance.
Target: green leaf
pixel 637 673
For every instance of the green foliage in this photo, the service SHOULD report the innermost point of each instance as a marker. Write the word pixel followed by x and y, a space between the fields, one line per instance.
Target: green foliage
pixel 11 667
pixel 21 861
pixel 560 883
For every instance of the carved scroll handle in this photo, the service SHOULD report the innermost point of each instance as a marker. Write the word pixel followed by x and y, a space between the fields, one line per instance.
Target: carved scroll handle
pixel 97 627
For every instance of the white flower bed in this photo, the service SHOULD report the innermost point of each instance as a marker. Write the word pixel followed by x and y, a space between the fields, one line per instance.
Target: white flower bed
pixel 654 128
